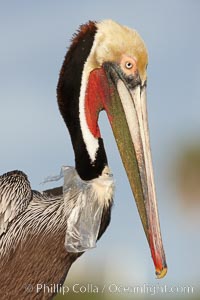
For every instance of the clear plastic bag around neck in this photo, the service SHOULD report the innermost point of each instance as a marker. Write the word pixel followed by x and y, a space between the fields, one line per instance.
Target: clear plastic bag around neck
pixel 83 207
pixel 84 221
pixel 83 225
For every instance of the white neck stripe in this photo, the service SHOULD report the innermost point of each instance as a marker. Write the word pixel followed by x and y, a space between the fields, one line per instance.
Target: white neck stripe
pixel 92 143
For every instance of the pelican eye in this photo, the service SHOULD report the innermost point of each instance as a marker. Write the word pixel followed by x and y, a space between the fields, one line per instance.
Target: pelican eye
pixel 128 65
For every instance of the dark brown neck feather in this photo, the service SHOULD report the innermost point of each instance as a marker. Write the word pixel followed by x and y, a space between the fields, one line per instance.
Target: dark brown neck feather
pixel 68 91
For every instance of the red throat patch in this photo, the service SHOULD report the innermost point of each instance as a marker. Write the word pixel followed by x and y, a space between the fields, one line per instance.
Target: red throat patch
pixel 96 99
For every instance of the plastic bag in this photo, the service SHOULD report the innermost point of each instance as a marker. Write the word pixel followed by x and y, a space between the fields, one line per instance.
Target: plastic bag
pixel 84 206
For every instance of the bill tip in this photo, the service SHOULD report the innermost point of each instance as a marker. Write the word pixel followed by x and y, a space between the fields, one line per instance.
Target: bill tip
pixel 161 273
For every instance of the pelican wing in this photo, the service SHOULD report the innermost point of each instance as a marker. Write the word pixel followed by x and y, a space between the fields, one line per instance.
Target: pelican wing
pixel 15 195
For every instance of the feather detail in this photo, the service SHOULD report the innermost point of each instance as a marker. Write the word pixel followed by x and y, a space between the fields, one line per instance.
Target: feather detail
pixel 15 195
pixel 46 213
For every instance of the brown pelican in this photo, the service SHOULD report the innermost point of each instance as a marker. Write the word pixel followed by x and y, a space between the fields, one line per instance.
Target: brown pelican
pixel 42 234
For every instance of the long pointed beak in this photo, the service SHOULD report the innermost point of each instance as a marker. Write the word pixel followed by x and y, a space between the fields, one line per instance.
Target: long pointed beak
pixel 126 109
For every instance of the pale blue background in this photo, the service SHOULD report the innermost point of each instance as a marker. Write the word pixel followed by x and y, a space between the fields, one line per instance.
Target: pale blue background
pixel 33 40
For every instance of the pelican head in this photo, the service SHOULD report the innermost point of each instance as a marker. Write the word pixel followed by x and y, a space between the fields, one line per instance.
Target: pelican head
pixel 106 69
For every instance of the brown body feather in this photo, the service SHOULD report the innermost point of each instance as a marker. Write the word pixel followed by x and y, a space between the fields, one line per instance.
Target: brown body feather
pixel 41 259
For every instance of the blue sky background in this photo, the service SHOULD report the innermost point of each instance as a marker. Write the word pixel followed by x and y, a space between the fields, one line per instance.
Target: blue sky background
pixel 34 36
